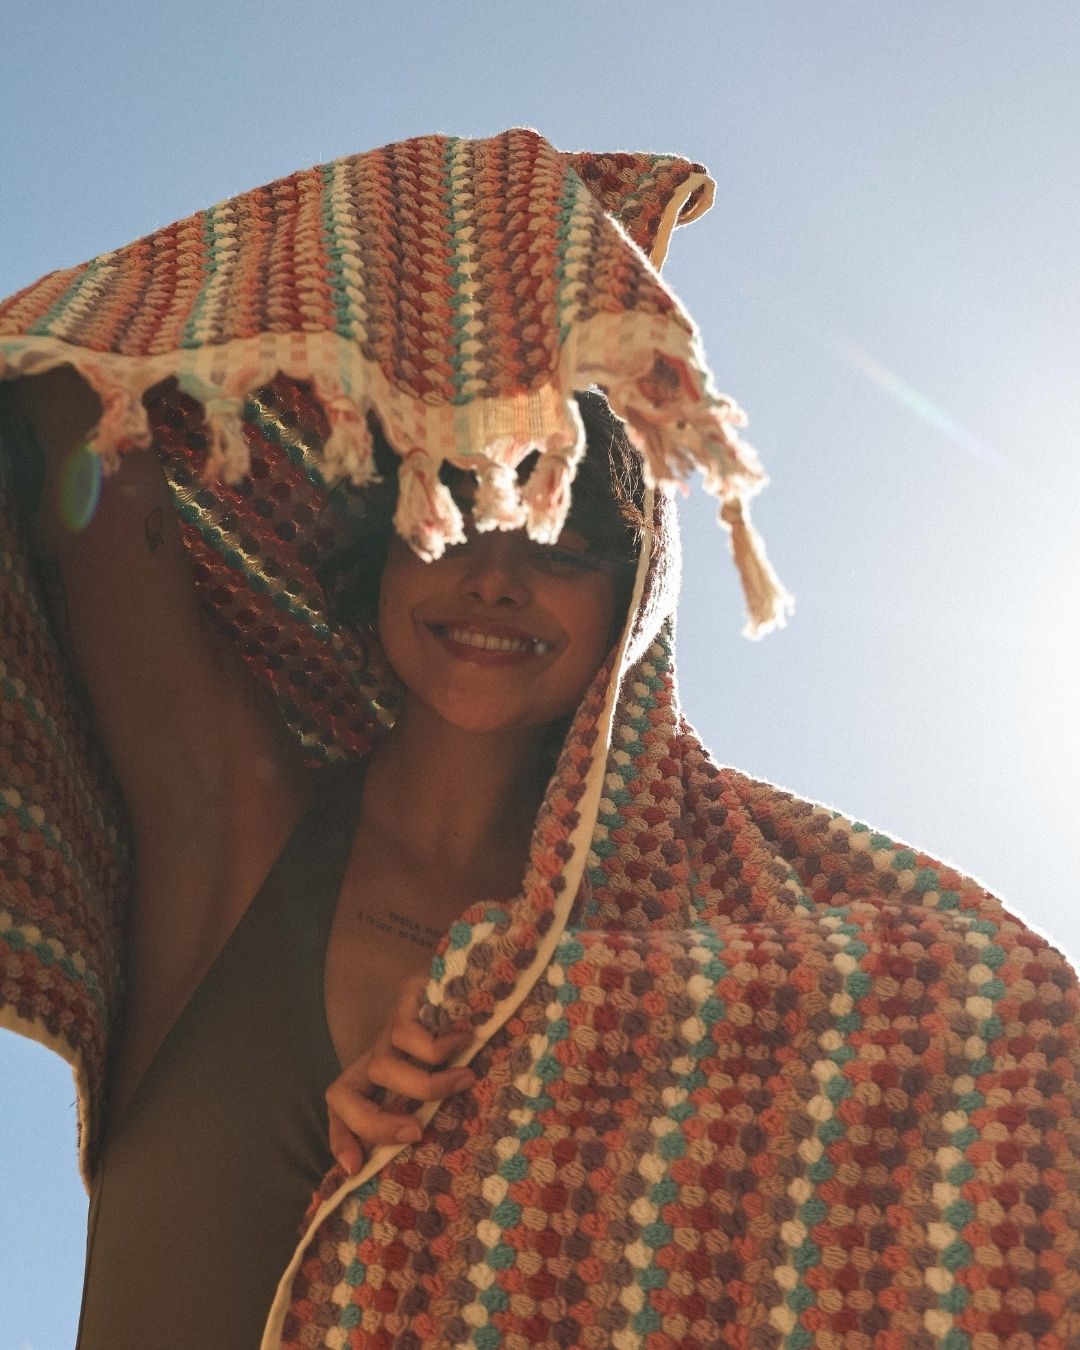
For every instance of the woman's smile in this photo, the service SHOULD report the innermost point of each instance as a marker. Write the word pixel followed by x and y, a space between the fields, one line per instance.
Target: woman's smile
pixel 489 644
pixel 499 633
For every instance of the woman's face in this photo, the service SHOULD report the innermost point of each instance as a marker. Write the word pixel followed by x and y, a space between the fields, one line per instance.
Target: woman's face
pixel 500 633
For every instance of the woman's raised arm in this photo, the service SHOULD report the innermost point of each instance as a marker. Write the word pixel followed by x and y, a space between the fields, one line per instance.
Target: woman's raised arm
pixel 173 706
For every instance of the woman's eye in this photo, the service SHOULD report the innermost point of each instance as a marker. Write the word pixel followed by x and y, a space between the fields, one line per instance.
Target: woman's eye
pixel 563 558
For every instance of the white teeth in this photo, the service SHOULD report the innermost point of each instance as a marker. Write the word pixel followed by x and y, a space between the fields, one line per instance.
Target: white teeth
pixel 468 638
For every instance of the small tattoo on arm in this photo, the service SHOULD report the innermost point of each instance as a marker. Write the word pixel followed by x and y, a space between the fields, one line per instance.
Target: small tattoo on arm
pixel 154 525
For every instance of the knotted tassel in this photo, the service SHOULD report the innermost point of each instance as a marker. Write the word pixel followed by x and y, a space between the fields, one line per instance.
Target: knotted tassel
pixel 427 517
pixel 768 604
pixel 546 495
pixel 347 451
pixel 497 504
pixel 228 457
pixel 123 424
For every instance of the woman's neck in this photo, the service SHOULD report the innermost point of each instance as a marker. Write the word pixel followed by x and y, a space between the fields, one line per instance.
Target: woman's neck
pixel 454 799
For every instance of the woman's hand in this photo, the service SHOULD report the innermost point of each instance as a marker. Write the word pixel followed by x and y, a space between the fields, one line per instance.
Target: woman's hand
pixel 357 1123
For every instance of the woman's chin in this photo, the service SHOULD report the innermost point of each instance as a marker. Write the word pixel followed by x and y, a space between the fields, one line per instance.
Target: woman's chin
pixel 483 720
pixel 488 727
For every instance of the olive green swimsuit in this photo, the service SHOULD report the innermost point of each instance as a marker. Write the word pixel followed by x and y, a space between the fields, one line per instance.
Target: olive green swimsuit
pixel 203 1182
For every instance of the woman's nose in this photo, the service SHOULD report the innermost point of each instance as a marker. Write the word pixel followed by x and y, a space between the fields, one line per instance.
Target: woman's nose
pixel 495 569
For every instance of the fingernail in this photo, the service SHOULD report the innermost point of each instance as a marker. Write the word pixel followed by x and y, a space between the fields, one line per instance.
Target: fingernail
pixel 408 1134
pixel 464 1081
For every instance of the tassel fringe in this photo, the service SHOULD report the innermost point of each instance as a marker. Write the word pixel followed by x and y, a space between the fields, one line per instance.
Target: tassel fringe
pixel 229 458
pixel 123 424
pixel 347 452
pixel 655 380
pixel 498 504
pixel 546 496
pixel 427 517
pixel 768 604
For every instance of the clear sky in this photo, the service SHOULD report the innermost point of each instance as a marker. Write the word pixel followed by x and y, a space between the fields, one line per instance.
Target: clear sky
pixel 889 284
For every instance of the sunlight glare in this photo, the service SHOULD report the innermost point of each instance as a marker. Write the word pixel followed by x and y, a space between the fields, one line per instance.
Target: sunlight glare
pixel 1049 713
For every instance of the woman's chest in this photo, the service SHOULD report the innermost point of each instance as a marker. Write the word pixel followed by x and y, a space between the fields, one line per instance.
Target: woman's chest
pixel 386 928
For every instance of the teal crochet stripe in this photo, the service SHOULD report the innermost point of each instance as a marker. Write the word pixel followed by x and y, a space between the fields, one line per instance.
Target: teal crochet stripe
pixel 567 201
pixel 17 941
pixel 296 449
pixel 345 324
pixel 53 840
pixel 210 265
pixel 458 195
pixel 234 558
pixel 38 714
pixel 82 285
pixel 807 1254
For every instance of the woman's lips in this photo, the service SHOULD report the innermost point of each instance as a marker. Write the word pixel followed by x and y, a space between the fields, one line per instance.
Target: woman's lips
pixel 487 648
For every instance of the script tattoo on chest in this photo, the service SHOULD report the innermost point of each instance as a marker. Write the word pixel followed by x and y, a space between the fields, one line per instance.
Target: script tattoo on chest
pixel 403 928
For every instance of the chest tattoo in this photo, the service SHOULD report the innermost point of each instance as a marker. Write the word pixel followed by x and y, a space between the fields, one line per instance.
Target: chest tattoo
pixel 403 928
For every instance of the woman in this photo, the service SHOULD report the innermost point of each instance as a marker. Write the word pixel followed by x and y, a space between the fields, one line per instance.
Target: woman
pixel 747 1072
pixel 494 646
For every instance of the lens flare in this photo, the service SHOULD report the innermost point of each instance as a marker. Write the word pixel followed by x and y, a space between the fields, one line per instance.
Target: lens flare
pixel 80 488
pixel 921 406
pixel 889 383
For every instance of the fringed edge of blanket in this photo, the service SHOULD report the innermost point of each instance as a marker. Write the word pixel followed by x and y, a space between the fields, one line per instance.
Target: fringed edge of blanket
pixel 649 366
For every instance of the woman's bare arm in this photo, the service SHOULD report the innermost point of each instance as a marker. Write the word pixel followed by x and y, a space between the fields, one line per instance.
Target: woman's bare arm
pixel 174 708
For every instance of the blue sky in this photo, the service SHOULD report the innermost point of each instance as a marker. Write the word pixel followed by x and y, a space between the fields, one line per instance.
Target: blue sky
pixel 889 284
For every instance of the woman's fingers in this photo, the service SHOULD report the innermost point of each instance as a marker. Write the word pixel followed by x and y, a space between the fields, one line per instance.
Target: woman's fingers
pixel 344 1145
pixel 351 1146
pixel 411 1039
pixel 367 1123
pixel 357 1123
pixel 407 1034
pixel 398 1075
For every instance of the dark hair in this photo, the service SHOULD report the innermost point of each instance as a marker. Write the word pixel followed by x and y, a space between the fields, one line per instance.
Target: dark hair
pixel 607 508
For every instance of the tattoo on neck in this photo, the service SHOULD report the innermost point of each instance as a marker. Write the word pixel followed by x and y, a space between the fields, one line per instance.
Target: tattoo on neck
pixel 403 928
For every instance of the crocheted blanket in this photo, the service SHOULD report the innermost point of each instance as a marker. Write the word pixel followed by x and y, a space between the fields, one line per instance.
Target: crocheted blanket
pixel 751 1073
pixel 462 290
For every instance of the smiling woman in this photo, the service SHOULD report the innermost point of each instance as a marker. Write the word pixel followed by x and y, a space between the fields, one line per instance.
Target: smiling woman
pixel 445 924
pixel 606 511
pixel 503 633
pixel 498 634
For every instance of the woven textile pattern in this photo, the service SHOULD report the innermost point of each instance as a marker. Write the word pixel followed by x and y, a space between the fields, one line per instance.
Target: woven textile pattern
pixel 634 188
pixel 326 248
pixel 785 1083
pixel 460 289
pixel 254 548
pixel 751 1074
pixel 65 847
